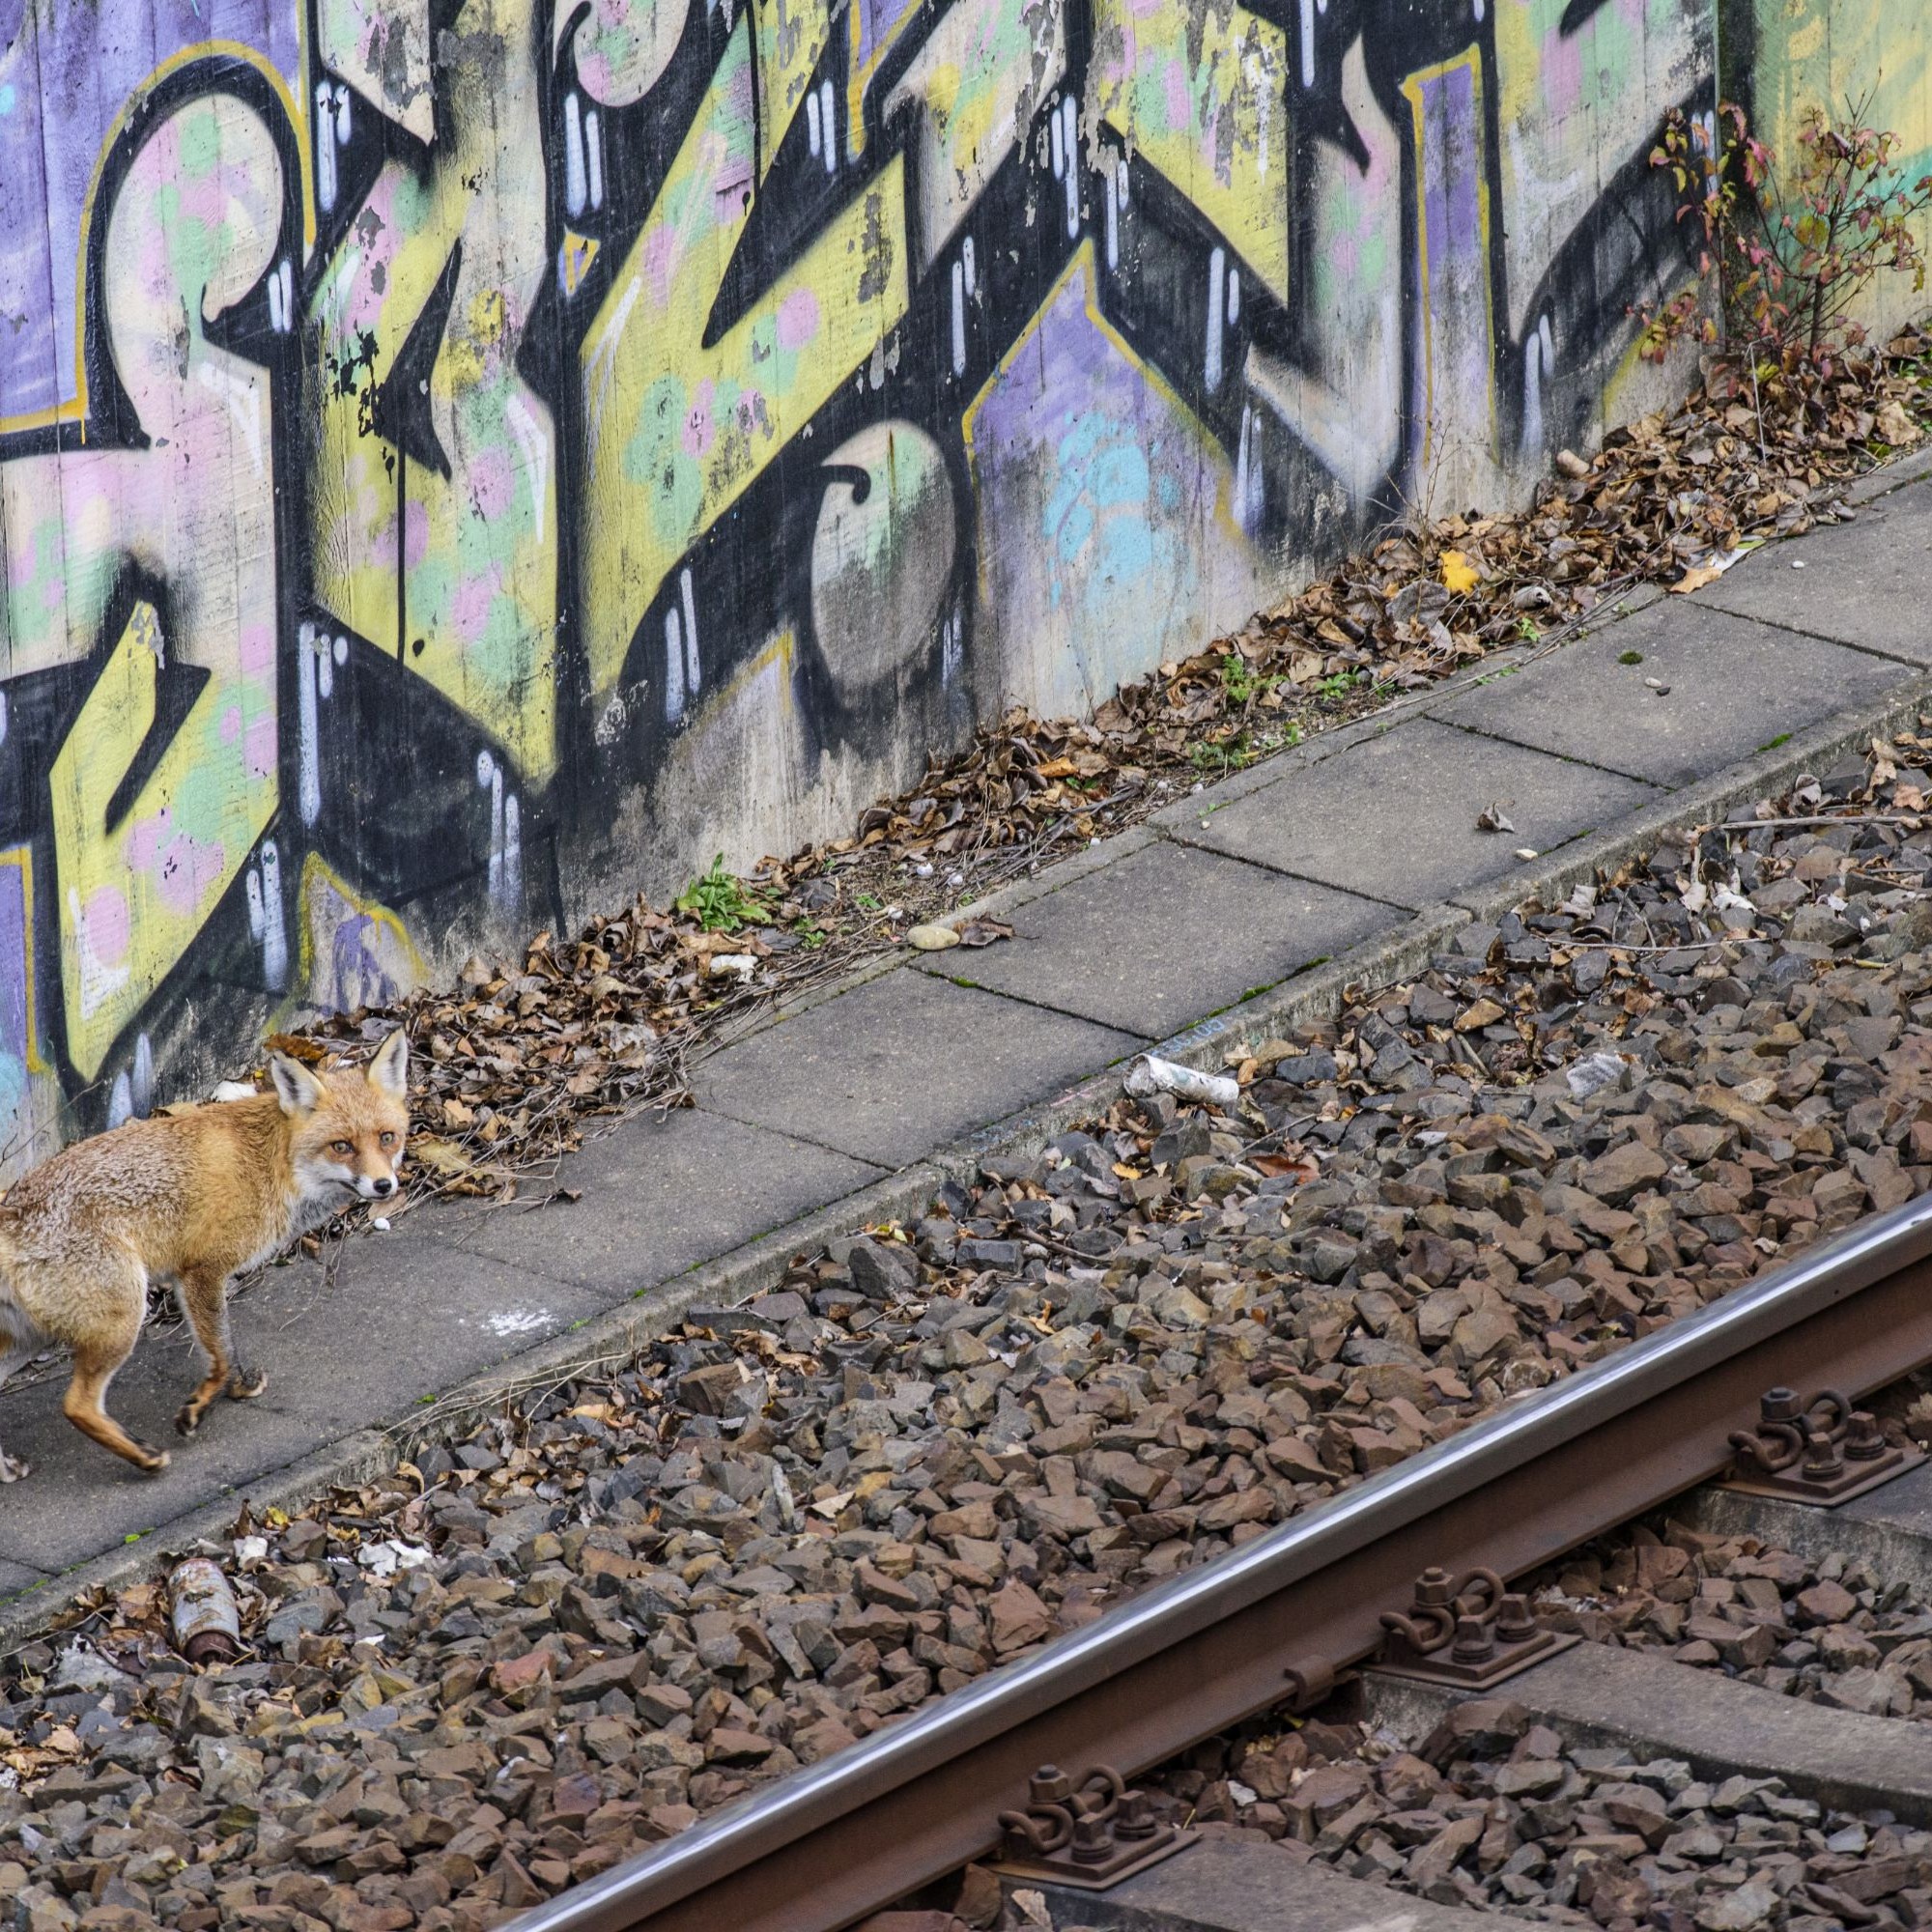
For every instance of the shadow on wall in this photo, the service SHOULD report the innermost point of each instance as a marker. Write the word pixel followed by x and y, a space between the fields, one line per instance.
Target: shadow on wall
pixel 457 460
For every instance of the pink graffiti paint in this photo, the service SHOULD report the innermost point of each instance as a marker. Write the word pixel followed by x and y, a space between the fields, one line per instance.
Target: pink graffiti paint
pixel 416 533
pixel 104 918
pixel 493 482
pixel 699 430
pixel 798 318
pixel 469 607
pixel 259 747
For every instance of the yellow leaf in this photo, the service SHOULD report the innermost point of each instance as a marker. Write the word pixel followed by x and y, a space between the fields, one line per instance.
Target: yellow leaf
pixel 1696 579
pixel 1459 574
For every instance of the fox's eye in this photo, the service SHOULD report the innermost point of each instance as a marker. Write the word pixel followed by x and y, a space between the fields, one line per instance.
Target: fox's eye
pixel 342 1147
pixel 388 1140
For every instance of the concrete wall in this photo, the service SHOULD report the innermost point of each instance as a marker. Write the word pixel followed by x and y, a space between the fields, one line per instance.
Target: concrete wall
pixel 460 459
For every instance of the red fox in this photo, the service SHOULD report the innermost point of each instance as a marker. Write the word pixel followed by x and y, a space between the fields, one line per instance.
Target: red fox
pixel 194 1198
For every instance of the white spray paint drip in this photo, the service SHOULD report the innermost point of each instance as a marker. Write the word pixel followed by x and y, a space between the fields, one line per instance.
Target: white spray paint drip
pixel 967 263
pixel 690 603
pixel 1234 297
pixel 257 923
pixel 673 668
pixel 325 668
pixel 952 655
pixel 120 1101
pixel 593 156
pixel 1121 170
pixel 828 115
pixel 287 277
pixel 513 851
pixel 342 114
pixel 1241 462
pixel 1308 43
pixel 1217 268
pixel 573 155
pixel 1070 109
pixel 144 1074
pixel 274 933
pixel 3 716
pixel 341 649
pixel 324 146
pixel 958 318
pixel 309 789
pixel 1113 222
pixel 813 138
pixel 490 777
pixel 276 319
pixel 1059 151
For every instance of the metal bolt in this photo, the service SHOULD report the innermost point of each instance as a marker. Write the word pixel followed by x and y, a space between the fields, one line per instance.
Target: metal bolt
pixel 1134 1820
pixel 1093 1841
pixel 1049 1785
pixel 1473 1642
pixel 1515 1623
pixel 1822 1462
pixel 1432 1589
pixel 1779 1404
pixel 1864 1439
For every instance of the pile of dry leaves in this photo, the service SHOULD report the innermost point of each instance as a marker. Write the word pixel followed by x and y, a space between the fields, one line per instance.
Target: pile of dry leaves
pixel 513 1063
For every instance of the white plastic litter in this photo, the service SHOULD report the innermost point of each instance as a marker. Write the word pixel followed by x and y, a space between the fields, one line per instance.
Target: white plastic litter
pixel 1150 1075
pixel 383 1559
pixel 739 966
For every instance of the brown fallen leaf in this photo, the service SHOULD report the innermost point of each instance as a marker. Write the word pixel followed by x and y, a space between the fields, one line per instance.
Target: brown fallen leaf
pixel 1484 1012
pixel 1696 579
pixel 984 932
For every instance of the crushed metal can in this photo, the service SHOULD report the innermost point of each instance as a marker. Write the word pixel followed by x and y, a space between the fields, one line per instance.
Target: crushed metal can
pixel 206 1619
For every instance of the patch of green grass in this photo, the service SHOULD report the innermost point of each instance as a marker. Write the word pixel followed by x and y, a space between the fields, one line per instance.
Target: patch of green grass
pixel 1771 744
pixel 1526 629
pixel 1501 672
pixel 1237 679
pixel 1335 686
pixel 1630 657
pixel 811 937
pixel 721 903
pixel 867 903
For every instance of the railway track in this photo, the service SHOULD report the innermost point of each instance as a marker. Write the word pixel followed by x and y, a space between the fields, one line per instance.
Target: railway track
pixel 1280 1620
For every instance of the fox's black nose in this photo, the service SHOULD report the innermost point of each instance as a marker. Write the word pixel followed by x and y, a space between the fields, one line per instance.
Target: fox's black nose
pixel 386 1187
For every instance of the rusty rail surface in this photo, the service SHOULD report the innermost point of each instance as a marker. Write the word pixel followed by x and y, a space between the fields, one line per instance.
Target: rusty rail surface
pixel 1196 1654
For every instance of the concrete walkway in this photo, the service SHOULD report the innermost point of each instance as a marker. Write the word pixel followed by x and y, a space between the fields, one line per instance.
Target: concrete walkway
pixel 1359 849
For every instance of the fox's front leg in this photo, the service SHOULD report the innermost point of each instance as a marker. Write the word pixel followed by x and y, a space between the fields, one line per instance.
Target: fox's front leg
pixel 204 1294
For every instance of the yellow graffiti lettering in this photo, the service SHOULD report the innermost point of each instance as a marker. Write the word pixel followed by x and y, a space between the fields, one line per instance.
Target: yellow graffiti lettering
pixel 432 495
pixel 679 427
pixel 1231 151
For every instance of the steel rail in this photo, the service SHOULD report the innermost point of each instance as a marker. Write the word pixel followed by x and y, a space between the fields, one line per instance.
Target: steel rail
pixel 1187 1658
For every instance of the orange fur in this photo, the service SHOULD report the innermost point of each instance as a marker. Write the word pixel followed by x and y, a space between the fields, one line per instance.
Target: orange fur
pixel 193 1197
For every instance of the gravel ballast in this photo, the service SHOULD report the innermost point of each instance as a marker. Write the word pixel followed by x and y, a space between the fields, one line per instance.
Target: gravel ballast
pixel 634 1596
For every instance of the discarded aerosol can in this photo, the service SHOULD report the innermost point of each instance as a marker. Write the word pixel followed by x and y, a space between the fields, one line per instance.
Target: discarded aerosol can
pixel 206 1622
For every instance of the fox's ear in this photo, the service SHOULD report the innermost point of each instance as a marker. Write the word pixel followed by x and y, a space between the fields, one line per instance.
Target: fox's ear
pixel 391 1068
pixel 295 1087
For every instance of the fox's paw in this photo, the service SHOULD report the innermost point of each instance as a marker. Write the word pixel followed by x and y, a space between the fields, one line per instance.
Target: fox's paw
pixel 150 1461
pixel 188 1419
pixel 13 1469
pixel 245 1384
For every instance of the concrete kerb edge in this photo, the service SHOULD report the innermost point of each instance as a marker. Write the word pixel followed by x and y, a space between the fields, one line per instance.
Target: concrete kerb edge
pixel 1764 775
pixel 1889 476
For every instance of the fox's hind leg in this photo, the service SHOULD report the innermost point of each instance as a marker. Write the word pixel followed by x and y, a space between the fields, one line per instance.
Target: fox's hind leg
pixel 204 1294
pixel 95 1362
pixel 19 1350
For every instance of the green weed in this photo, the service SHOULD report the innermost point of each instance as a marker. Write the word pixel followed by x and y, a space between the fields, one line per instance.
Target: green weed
pixel 721 903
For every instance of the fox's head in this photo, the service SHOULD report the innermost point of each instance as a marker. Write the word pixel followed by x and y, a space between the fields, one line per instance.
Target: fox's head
pixel 347 1128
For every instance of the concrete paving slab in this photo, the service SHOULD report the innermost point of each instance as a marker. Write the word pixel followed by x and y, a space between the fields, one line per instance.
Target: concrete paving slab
pixel 1862 583
pixel 659 1195
pixel 401 1320
pixel 1395 816
pixel 17 1577
pixel 1164 937
pixel 889 1070
pixel 1733 687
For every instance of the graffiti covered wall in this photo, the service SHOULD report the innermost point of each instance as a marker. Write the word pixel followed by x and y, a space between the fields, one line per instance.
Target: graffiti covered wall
pixel 459 458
